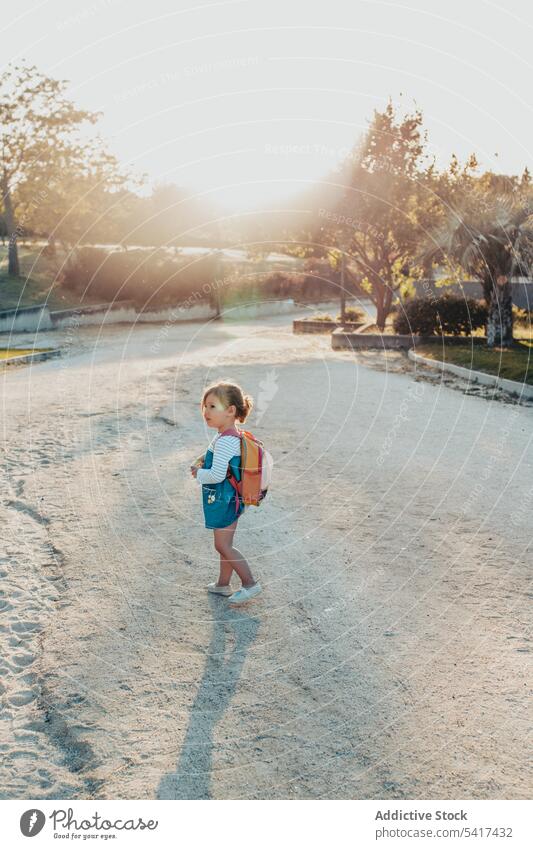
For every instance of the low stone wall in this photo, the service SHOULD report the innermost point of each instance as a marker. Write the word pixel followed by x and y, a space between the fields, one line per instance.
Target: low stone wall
pixel 333 305
pixel 308 325
pixel 199 312
pixel 522 290
pixel 31 319
pixel 344 339
pixel 522 390
pixel 114 313
pixel 41 318
pixel 389 341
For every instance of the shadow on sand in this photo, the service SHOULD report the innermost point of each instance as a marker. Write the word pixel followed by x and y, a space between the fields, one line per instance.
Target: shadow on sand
pixel 192 777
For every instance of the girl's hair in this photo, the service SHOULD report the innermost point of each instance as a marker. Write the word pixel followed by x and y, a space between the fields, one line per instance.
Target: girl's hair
pixel 228 394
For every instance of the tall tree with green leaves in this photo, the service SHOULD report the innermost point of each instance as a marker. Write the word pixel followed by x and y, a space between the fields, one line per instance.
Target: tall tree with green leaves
pixel 488 233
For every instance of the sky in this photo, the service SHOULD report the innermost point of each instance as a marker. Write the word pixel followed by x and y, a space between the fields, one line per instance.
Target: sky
pixel 247 102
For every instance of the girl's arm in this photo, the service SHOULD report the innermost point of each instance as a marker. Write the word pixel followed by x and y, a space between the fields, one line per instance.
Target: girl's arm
pixel 225 448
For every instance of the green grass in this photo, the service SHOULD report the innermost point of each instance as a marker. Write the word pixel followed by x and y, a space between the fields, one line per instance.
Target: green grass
pixel 20 352
pixel 514 363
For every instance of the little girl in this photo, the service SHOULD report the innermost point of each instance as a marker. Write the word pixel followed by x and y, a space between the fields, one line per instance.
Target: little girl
pixel 221 404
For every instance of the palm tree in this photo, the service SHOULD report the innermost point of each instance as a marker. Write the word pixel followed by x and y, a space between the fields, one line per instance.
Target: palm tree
pixel 492 240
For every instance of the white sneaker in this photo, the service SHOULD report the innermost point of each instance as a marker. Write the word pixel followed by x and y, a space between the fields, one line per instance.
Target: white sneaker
pixel 245 593
pixel 214 588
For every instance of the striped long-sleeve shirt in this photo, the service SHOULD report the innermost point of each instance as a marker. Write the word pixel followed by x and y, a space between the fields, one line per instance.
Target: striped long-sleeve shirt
pixel 224 448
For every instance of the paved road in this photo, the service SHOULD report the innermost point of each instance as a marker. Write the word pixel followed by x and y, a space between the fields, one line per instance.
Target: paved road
pixel 388 656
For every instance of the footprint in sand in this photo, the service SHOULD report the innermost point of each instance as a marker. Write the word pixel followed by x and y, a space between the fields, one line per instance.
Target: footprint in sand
pixel 23 697
pixel 16 641
pixel 22 659
pixel 45 779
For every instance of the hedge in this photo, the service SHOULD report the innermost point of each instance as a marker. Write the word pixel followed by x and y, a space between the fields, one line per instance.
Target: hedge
pixel 150 278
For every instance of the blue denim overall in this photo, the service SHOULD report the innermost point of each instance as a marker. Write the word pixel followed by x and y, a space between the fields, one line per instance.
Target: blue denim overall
pixel 219 499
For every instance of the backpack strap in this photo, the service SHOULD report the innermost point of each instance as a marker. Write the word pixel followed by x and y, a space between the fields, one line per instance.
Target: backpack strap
pixel 256 448
pixel 233 431
pixel 233 481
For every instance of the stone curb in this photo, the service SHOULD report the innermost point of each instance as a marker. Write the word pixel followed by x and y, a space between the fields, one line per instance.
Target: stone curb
pixel 32 358
pixel 523 390
pixel 308 325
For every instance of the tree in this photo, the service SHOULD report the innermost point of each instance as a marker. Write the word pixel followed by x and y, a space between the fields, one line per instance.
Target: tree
pixel 386 206
pixel 489 235
pixel 42 161
pixel 86 201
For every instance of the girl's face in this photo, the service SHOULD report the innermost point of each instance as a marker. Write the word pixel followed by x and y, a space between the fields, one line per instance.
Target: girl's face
pixel 216 415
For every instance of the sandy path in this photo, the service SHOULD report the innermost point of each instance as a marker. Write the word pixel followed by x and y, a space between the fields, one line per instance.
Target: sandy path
pixel 388 656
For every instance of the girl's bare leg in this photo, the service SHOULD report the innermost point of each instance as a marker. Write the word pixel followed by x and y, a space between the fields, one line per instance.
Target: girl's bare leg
pixel 231 558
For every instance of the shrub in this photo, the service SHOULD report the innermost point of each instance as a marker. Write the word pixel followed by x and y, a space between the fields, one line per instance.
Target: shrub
pixel 445 314
pixel 352 314
pixel 417 316
pixel 150 278
pixel 522 316
pixel 322 282
pixel 280 285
